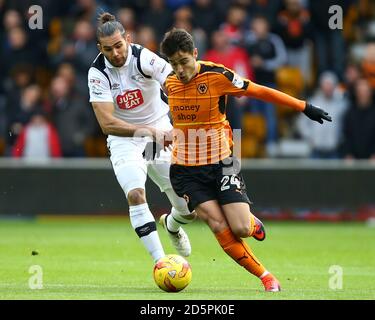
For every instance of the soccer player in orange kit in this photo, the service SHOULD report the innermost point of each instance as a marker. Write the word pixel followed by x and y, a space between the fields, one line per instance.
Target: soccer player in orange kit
pixel 205 172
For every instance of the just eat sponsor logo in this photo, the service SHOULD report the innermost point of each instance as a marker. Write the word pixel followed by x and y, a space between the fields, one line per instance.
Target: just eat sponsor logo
pixel 130 99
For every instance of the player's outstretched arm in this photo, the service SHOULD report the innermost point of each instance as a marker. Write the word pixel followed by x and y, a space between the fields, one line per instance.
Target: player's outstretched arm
pixel 278 97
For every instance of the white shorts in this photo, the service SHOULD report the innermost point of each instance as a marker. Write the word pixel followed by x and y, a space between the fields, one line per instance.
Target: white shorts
pixel 131 168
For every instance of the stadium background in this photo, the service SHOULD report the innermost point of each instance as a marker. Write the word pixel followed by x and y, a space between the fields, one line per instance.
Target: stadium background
pixel 62 209
pixel 43 83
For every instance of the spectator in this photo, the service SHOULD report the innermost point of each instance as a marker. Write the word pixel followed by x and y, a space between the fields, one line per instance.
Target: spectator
pixel 126 16
pixel 72 116
pixel 37 140
pixel 325 140
pixel 19 78
pixel 159 17
pixel 268 53
pixel 359 124
pixel 351 76
pixel 146 38
pixel 80 49
pixel 234 57
pixel 39 37
pixel 205 16
pixel 68 72
pixel 12 19
pixel 183 14
pixel 176 4
pixel 88 10
pixel 234 24
pixel 329 44
pixel 266 8
pixel 18 51
pixel 368 64
pixel 20 108
pixel 183 19
pixel 20 36
pixel 237 59
pixel 266 49
pixel 294 27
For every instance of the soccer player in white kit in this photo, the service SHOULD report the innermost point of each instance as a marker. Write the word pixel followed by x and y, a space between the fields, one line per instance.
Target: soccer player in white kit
pixel 125 83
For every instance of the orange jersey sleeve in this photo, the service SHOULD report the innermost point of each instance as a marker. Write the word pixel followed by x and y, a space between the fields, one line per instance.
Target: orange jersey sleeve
pixel 233 84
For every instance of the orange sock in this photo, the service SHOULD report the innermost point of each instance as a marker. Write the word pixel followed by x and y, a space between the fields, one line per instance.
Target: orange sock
pixel 240 252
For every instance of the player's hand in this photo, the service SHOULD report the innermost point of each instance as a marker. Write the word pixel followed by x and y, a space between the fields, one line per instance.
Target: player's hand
pixel 163 140
pixel 316 114
pixel 168 139
pixel 152 150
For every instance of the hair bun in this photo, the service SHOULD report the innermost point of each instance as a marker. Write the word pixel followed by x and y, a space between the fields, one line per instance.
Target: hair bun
pixel 105 17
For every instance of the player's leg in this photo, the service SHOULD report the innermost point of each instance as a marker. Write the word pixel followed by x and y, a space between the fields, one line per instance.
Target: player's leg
pixel 212 213
pixel 198 185
pixel 158 171
pixel 242 222
pixel 132 180
pixel 232 196
pixel 131 173
pixel 179 215
pixel 235 205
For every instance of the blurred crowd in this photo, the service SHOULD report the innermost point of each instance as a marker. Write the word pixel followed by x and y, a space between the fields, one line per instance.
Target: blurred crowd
pixel 284 44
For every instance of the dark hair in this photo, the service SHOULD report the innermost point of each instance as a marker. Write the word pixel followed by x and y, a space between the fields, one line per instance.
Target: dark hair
pixel 108 25
pixel 177 40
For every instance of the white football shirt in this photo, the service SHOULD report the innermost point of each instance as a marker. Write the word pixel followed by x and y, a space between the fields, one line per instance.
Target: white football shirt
pixel 134 88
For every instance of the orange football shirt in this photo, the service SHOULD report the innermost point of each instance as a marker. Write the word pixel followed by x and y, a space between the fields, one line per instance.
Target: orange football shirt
pixel 202 134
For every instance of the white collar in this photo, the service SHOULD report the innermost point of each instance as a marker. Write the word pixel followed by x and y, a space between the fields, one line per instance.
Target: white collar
pixel 110 66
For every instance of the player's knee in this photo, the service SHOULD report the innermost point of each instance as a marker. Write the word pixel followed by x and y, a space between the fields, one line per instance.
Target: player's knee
pixel 136 196
pixel 179 204
pixel 191 216
pixel 241 231
pixel 182 208
pixel 217 225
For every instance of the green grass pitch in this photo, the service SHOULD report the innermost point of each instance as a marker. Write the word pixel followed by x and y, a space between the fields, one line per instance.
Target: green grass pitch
pixel 91 258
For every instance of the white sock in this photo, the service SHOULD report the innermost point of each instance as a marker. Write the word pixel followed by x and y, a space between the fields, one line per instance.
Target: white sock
pixel 179 213
pixel 175 219
pixel 144 225
pixel 264 274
